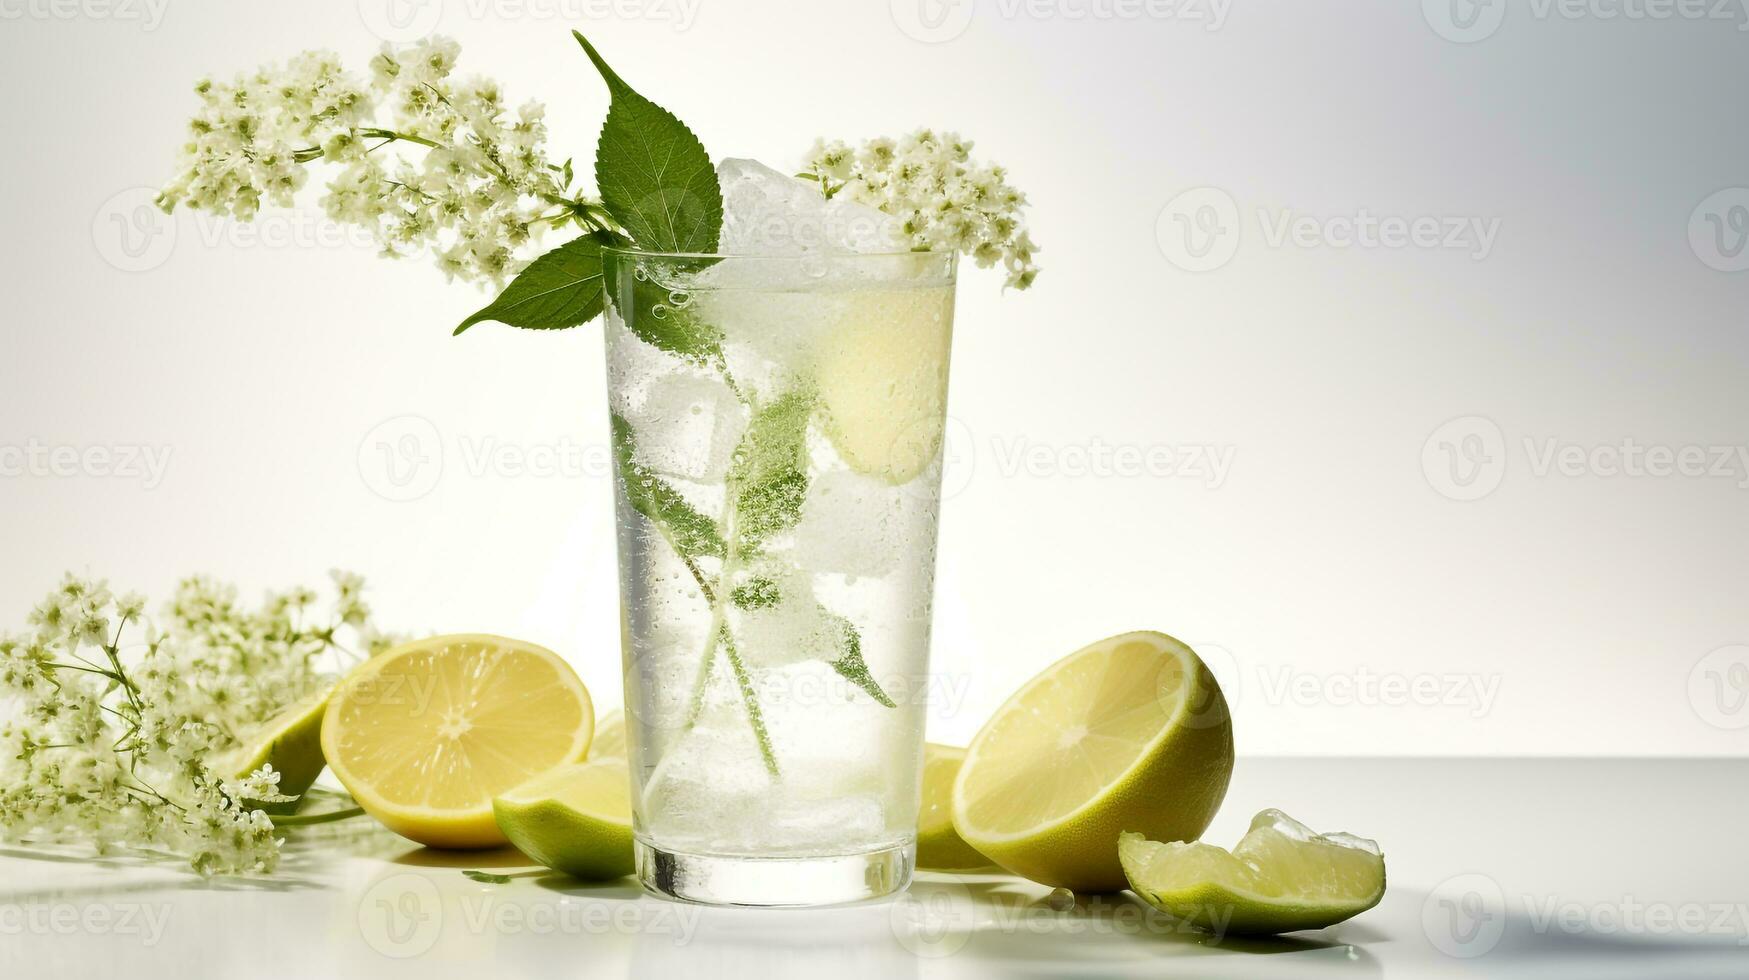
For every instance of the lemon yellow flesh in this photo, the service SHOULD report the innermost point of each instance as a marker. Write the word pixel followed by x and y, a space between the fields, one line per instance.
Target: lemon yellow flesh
pixel 1130 733
pixel 1281 877
pixel 610 736
pixel 426 734
pixel 576 818
pixel 939 846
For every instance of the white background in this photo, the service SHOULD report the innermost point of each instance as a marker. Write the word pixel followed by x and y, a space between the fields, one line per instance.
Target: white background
pixel 1359 535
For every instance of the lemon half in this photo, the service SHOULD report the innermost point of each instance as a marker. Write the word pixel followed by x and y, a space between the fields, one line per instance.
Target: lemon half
pixel 426 734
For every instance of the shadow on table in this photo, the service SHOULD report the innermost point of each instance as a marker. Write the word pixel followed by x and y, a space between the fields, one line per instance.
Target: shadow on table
pixel 176 874
pixel 619 889
pixel 493 859
pixel 1011 923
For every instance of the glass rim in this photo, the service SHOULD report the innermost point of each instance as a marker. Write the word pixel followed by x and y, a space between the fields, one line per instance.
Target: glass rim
pixel 830 256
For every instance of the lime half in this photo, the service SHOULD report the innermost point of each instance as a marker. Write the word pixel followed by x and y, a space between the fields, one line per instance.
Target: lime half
pixel 1281 877
pixel 576 819
pixel 290 742
pixel 1131 733
pixel 939 846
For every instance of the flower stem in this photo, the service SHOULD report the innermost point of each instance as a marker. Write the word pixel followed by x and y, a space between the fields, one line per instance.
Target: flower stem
pixel 309 819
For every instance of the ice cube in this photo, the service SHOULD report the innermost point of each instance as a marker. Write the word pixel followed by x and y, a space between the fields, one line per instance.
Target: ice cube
pixel 860 525
pixel 777 620
pixel 834 819
pixel 687 426
pixel 766 212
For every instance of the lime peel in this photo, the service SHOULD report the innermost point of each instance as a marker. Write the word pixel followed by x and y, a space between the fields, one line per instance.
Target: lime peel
pixel 576 819
pixel 1281 877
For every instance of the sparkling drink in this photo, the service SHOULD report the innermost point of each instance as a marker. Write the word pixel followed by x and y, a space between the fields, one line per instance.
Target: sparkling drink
pixel 778 424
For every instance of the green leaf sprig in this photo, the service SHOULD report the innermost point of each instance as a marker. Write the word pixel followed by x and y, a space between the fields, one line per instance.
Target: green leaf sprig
pixel 660 192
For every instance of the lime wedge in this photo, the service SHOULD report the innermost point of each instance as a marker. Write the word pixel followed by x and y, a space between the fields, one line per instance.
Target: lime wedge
pixel 1131 733
pixel 939 846
pixel 291 742
pixel 1281 877
pixel 883 380
pixel 576 819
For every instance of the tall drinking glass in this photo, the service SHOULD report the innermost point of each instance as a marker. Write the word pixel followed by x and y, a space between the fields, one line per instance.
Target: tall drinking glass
pixel 777 426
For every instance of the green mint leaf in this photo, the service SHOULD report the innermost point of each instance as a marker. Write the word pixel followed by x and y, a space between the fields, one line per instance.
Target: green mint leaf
pixel 655 177
pixel 656 321
pixel 769 507
pixel 487 877
pixel 692 534
pixel 768 472
pixel 850 663
pixel 562 288
pixel 756 593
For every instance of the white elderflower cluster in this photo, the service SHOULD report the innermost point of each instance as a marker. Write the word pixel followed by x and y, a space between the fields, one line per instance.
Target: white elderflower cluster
pixel 945 199
pixel 467 179
pixel 109 744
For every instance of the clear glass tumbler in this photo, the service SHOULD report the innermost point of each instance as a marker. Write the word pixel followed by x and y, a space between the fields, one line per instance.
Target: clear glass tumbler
pixel 777 426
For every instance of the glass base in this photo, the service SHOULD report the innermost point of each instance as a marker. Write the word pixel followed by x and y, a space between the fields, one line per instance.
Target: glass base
pixel 775 882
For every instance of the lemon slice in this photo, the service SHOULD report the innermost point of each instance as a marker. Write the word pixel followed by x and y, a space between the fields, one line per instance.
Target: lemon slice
pixel 426 734
pixel 1131 733
pixel 290 742
pixel 882 380
pixel 939 847
pixel 1281 877
pixel 576 818
pixel 610 737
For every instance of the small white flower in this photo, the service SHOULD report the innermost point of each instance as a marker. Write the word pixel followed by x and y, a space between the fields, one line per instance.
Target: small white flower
pixel 466 180
pixel 122 758
pixel 944 200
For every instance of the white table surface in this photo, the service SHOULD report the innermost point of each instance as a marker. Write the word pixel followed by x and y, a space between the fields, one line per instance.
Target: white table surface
pixel 1547 868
